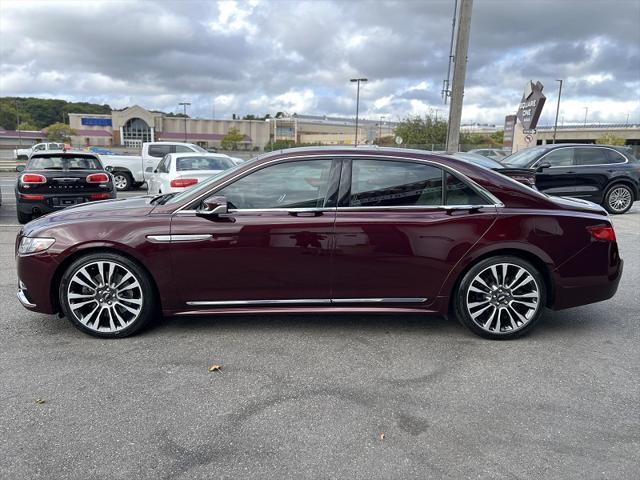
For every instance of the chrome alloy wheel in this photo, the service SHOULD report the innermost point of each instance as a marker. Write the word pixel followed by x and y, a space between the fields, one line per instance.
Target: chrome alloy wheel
pixel 120 181
pixel 503 298
pixel 105 296
pixel 619 199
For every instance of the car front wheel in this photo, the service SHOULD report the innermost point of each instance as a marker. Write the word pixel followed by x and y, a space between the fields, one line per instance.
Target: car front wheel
pixel 107 295
pixel 500 298
pixel 618 199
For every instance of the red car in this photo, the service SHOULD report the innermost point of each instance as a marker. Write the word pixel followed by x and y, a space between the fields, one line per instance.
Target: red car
pixel 324 230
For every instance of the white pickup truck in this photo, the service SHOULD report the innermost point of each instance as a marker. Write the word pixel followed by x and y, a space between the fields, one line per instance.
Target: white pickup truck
pixel 25 153
pixel 133 170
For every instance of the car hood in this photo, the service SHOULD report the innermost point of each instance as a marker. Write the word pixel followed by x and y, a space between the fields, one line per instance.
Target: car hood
pixel 129 207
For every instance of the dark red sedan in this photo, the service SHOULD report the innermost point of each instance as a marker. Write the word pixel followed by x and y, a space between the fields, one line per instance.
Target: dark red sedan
pixel 324 230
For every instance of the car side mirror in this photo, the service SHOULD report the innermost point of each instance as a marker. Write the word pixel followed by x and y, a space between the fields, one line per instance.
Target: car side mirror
pixel 109 169
pixel 20 168
pixel 213 206
pixel 542 166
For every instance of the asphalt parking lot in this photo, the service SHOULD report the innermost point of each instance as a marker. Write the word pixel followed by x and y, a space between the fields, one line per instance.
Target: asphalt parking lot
pixel 347 396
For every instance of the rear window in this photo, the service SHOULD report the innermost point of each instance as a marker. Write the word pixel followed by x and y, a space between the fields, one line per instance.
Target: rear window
pixel 203 163
pixel 64 162
pixel 159 151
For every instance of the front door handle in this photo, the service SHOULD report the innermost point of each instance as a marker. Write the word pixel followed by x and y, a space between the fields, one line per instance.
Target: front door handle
pixel 305 213
pixel 571 171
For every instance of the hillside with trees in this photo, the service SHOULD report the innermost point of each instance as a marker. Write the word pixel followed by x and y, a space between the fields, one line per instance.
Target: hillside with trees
pixel 38 113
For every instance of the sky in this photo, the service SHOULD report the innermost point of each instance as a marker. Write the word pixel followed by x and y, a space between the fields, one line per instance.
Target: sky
pixel 265 56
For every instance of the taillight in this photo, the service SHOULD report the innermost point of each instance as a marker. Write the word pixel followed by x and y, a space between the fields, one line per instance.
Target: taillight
pixel 32 178
pixel 602 234
pixel 183 182
pixel 99 196
pixel 28 196
pixel 98 178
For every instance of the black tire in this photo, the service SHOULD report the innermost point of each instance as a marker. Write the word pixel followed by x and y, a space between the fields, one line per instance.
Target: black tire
pixel 509 305
pixel 24 217
pixel 148 309
pixel 122 181
pixel 618 199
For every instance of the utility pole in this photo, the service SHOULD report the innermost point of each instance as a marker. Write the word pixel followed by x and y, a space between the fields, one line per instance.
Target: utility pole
pixel 586 110
pixel 357 80
pixel 555 125
pixel 382 119
pixel 459 73
pixel 184 104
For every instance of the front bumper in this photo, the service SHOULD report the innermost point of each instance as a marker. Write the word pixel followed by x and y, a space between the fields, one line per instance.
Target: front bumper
pixel 22 296
pixel 35 275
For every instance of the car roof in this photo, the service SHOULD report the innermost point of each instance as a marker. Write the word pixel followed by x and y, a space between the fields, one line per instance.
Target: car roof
pixel 68 153
pixel 198 154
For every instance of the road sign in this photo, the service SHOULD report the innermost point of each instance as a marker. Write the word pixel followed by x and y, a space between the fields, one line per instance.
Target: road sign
pixel 399 140
pixel 528 138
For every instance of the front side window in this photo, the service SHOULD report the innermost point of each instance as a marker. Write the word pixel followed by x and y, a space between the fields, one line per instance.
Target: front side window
pixel 299 184
pixel 563 157
pixel 591 156
pixel 388 183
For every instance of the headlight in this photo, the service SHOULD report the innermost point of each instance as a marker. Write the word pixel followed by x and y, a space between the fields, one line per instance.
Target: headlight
pixel 34 245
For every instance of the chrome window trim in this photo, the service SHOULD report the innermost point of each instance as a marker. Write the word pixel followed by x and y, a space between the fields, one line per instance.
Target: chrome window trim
pixel 350 209
pixel 342 156
pixel 180 237
pixel 626 160
pixel 301 301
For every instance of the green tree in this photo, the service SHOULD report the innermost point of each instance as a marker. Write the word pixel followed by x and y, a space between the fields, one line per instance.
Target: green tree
pixel 231 139
pixel 610 139
pixel 498 138
pixel 27 126
pixel 422 131
pixel 59 132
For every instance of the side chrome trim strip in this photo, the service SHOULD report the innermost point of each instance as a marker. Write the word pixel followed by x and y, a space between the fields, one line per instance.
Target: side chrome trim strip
pixel 324 301
pixel 260 302
pixel 179 238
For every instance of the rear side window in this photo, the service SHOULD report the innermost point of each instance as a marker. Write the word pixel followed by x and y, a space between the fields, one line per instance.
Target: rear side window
pixel 591 156
pixel 159 151
pixel 386 183
pixel 563 157
pixel 183 149
pixel 459 193
pixel 614 157
pixel 203 163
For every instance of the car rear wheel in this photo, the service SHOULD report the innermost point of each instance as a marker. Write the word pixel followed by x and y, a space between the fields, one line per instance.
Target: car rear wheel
pixel 122 181
pixel 24 217
pixel 500 298
pixel 618 199
pixel 107 295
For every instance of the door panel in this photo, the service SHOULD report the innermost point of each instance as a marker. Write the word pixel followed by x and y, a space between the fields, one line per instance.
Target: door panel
pixel 560 178
pixel 400 254
pixel 253 256
pixel 274 244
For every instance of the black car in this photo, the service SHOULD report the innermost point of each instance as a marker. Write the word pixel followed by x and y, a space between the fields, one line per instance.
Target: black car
pixel 522 175
pixel 55 180
pixel 607 175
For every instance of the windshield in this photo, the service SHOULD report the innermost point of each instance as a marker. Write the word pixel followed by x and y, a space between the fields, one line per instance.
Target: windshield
pixel 523 158
pixel 64 162
pixel 198 148
pixel 199 186
pixel 203 163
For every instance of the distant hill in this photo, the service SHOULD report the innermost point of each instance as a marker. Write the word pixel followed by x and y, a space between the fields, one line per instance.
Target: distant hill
pixel 42 112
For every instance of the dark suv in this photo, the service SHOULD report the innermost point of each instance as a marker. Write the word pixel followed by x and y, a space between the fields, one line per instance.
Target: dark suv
pixel 607 175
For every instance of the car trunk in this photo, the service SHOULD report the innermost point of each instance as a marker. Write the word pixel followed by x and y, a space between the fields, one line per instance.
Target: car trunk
pixel 200 175
pixel 66 187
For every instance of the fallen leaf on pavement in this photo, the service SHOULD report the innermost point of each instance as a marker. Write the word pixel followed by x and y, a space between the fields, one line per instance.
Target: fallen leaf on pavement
pixel 215 368
pixel 381 435
pixel 40 401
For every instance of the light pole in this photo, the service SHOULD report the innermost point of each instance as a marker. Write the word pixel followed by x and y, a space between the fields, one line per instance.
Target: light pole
pixel 380 134
pixel 184 105
pixel 357 80
pixel 586 110
pixel 555 125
